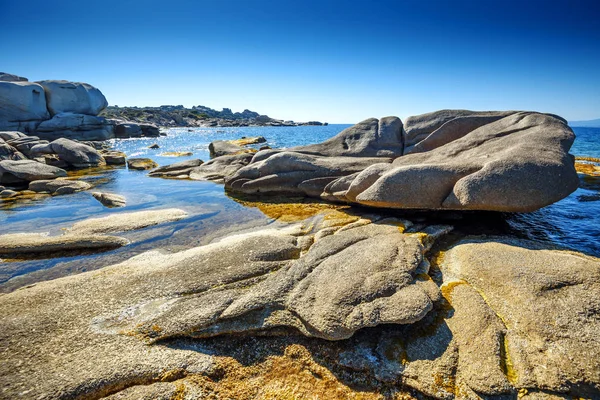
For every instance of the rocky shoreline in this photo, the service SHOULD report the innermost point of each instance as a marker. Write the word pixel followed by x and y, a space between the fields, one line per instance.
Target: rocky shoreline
pixel 197 116
pixel 363 282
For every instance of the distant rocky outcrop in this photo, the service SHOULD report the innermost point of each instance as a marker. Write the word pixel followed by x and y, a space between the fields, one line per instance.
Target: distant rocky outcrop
pixel 53 109
pixel 197 116
pixel 450 159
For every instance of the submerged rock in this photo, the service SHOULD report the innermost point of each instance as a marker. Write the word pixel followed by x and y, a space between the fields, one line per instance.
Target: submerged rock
pixel 110 199
pixel 26 244
pixel 141 163
pixel 121 222
pixel 453 159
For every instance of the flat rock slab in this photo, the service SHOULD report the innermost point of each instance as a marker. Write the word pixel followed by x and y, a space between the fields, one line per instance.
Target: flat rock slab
pixel 548 306
pixel 97 325
pixel 24 244
pixel 122 222
pixel 28 170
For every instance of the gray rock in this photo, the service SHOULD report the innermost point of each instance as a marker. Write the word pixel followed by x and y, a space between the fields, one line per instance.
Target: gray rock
pixel 220 168
pixel 25 144
pixel 7 152
pixel 220 148
pixel 9 135
pixel 110 199
pixel 290 172
pixel 26 244
pixel 6 77
pixel 179 169
pixel 6 193
pixel 127 130
pixel 517 164
pixel 121 222
pixel 22 106
pixel 369 138
pixel 141 163
pixel 418 127
pixel 27 170
pixel 77 154
pixel 75 126
pixel 547 303
pixel 73 97
pixel 113 157
pixel 59 186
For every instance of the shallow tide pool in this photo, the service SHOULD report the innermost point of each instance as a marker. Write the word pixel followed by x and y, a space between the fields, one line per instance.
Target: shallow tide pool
pixel 572 223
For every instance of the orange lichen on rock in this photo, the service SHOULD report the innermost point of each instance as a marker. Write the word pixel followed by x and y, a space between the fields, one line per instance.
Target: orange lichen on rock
pixel 286 211
pixel 293 375
pixel 588 169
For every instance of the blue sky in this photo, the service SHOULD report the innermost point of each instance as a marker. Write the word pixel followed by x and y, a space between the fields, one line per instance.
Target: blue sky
pixel 336 61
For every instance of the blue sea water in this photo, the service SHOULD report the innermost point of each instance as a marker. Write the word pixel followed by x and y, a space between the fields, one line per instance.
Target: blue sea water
pixel 573 222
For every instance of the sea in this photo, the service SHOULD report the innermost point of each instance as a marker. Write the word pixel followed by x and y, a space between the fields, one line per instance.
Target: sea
pixel 572 223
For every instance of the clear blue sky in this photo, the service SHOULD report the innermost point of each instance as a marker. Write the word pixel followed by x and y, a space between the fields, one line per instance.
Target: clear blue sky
pixel 336 61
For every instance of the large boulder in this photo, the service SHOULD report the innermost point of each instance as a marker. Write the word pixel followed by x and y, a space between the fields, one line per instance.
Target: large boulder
pixel 220 148
pixel 22 105
pixel 369 138
pixel 59 186
pixel 75 126
pixel 27 171
pixel 126 129
pixel 459 160
pixel 73 97
pixel 73 153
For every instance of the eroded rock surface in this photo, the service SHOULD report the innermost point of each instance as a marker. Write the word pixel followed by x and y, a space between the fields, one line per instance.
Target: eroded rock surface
pixel 59 186
pixel 450 159
pixel 549 304
pixel 121 222
pixel 177 170
pixel 110 199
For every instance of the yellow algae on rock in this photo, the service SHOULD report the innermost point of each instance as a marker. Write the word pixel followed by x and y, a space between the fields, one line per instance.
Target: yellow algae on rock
pixel 247 141
pixel 176 154
pixel 291 211
pixel 587 169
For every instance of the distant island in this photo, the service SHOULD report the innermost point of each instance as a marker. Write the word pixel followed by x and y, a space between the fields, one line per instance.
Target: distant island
pixel 592 123
pixel 197 116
